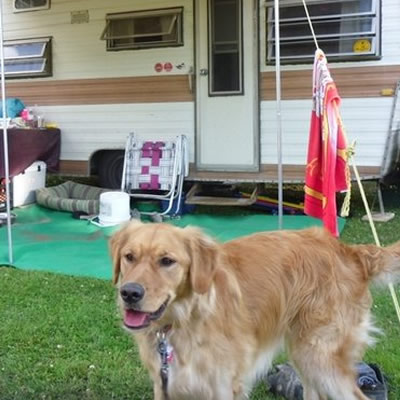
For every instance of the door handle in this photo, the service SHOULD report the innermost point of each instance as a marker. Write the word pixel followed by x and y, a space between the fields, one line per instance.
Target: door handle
pixel 203 71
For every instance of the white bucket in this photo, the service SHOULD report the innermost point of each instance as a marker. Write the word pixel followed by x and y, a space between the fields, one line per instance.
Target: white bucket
pixel 114 208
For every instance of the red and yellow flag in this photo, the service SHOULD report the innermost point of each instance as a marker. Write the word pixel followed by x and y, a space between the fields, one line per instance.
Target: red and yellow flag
pixel 327 170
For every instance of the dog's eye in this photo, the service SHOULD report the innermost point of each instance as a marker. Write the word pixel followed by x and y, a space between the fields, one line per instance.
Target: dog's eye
pixel 129 257
pixel 166 262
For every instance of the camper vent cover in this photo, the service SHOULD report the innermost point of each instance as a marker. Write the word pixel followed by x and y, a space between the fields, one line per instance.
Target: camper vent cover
pixel 30 5
pixel 80 17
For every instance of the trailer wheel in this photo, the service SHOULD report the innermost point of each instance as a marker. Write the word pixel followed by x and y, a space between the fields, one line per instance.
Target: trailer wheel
pixel 110 169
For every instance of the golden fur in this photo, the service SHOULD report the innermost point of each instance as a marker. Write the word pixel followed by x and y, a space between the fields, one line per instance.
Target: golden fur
pixel 232 306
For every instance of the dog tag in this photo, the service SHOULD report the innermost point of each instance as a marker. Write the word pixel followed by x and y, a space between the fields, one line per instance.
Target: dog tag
pixel 170 354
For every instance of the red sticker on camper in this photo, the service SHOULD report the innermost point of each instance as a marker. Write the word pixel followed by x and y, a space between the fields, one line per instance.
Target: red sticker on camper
pixel 168 66
pixel 158 67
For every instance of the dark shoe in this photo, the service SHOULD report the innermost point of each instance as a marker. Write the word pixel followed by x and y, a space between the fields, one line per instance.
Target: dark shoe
pixel 371 381
pixel 284 381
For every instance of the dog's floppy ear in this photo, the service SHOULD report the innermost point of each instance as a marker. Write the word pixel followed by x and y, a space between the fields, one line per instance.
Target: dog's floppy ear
pixel 118 239
pixel 115 243
pixel 204 254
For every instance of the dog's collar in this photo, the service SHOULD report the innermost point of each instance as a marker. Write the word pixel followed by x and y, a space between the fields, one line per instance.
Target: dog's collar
pixel 166 354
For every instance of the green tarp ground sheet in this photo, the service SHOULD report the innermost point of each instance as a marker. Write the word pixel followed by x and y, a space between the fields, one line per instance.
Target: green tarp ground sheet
pixel 53 241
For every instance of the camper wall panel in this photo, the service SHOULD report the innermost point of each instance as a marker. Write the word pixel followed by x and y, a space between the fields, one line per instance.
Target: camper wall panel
pixel 78 51
pixel 150 89
pixel 365 120
pixel 88 128
pixel 351 82
pixel 389 36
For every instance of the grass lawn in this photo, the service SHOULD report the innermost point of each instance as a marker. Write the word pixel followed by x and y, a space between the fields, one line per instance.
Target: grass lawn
pixel 60 336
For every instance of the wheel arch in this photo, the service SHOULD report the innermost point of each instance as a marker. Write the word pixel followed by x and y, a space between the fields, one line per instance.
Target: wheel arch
pixel 100 160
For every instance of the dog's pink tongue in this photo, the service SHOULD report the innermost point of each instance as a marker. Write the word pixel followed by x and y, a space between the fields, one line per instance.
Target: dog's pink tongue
pixel 134 319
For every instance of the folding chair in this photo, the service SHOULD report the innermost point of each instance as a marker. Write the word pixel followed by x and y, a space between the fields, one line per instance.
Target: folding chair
pixel 156 170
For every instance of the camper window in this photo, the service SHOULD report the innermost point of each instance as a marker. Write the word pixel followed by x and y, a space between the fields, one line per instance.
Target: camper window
pixel 30 5
pixel 27 58
pixel 345 30
pixel 144 29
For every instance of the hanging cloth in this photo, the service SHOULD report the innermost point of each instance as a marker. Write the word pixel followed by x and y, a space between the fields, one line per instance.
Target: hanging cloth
pixel 327 171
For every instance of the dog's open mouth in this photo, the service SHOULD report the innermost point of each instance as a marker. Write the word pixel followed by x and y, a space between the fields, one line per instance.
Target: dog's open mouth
pixel 134 319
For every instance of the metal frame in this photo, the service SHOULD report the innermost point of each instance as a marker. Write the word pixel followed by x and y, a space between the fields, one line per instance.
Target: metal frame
pixel 329 35
pixel 177 20
pixel 44 57
pixel 239 92
pixel 18 10
pixel 278 115
pixel 180 170
pixel 391 130
pixel 5 139
pixel 374 36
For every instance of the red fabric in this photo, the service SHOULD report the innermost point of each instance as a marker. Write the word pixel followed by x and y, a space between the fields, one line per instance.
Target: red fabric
pixel 154 151
pixel 327 168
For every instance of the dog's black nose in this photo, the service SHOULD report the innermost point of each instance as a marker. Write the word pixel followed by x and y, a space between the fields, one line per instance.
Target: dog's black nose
pixel 132 292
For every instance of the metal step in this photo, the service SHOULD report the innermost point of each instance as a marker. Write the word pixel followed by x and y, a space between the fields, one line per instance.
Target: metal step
pixel 194 197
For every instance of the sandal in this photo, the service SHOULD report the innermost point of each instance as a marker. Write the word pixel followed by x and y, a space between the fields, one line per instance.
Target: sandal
pixel 371 381
pixel 284 381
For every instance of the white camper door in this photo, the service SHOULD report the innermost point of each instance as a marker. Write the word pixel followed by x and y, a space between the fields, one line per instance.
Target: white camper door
pixel 227 109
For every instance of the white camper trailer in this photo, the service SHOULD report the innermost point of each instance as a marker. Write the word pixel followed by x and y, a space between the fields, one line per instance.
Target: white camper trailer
pixel 203 68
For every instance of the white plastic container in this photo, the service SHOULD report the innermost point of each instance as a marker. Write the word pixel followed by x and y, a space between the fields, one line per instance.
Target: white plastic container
pixel 114 208
pixel 25 184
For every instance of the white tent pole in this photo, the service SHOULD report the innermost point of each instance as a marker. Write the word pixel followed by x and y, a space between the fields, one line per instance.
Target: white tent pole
pixel 5 138
pixel 278 114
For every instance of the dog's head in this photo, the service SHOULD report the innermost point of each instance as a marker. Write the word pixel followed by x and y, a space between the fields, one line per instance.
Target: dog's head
pixel 155 265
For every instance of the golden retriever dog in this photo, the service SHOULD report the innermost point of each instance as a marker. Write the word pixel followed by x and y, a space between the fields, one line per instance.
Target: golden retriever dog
pixel 209 317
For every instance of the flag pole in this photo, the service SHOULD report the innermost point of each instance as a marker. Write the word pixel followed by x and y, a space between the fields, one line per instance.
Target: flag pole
pixel 278 114
pixel 5 139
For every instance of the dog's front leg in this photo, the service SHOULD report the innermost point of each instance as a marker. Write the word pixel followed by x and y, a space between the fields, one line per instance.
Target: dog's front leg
pixel 224 395
pixel 158 394
pixel 227 392
pixel 240 396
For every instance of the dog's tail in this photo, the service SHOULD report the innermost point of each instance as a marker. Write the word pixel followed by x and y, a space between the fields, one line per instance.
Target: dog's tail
pixel 382 264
